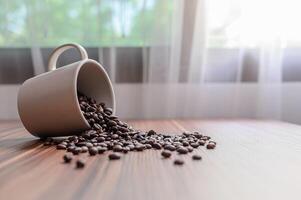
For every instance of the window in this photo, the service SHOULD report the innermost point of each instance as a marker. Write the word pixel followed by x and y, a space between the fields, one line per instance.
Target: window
pixel 89 22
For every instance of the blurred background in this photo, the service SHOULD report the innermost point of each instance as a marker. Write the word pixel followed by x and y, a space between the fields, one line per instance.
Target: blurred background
pixel 166 58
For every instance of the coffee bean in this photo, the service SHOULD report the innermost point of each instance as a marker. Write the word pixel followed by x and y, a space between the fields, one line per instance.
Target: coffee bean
pixel 84 149
pixel 111 123
pixel 197 157
pixel 182 150
pixel 156 146
pixel 117 148
pixel 210 146
pixel 80 163
pixel 166 154
pixel 190 149
pixel 101 150
pixel 114 156
pixel 194 145
pixel 126 149
pixel 89 144
pixel 202 142
pixel 67 158
pixel 81 144
pixel 140 147
pixel 185 143
pixel 61 146
pixel 170 147
pixel 151 132
pixel 93 151
pixel 178 162
pixel 71 148
pixel 76 150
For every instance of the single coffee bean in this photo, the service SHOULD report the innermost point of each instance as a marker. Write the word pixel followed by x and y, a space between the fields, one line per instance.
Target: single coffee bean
pixel 210 146
pixel 170 147
pixel 61 146
pixel 67 158
pixel 190 149
pixel 93 151
pixel 84 149
pixel 178 162
pixel 76 150
pixel 197 157
pixel 71 148
pixel 111 123
pixel 126 149
pixel 117 148
pixel 185 143
pixel 114 156
pixel 182 150
pixel 80 163
pixel 151 132
pixel 156 146
pixel 202 142
pixel 101 150
pixel 166 154
pixel 194 145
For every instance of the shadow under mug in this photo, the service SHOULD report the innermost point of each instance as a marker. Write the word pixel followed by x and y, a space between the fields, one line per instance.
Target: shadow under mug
pixel 48 105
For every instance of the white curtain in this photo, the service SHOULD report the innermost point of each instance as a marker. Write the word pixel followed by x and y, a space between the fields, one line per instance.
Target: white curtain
pixel 227 42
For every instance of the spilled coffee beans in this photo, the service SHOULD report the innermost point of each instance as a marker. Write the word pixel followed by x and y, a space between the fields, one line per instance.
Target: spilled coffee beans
pixel 109 134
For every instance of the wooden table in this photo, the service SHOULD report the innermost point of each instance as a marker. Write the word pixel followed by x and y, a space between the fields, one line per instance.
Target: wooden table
pixel 253 160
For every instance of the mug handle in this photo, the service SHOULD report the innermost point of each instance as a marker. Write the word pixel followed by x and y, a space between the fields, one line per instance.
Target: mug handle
pixel 59 50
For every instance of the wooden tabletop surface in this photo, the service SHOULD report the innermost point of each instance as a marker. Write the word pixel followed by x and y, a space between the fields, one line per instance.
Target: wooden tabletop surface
pixel 253 160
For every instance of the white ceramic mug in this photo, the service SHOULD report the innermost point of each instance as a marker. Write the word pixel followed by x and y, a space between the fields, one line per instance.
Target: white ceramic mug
pixel 48 104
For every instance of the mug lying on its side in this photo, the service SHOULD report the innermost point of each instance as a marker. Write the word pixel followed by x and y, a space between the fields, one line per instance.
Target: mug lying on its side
pixel 48 104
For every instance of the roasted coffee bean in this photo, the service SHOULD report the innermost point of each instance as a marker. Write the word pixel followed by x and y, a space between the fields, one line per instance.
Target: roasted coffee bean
pixel 182 150
pixel 81 144
pixel 101 150
pixel 202 142
pixel 114 136
pixel 67 158
pixel 170 147
pixel 61 146
pixel 178 162
pixel 156 146
pixel 93 151
pixel 97 126
pixel 80 163
pixel 197 157
pixel 185 143
pixel 210 146
pixel 89 144
pixel 111 123
pixel 114 156
pixel 71 148
pixel 166 154
pixel 117 148
pixel 194 145
pixel 190 149
pixel 84 149
pixel 140 147
pixel 151 132
pixel 76 150
pixel 125 149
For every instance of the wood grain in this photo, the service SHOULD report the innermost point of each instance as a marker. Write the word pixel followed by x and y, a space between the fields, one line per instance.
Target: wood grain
pixel 253 160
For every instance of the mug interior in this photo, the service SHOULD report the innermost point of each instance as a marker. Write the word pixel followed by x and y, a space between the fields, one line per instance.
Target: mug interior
pixel 93 81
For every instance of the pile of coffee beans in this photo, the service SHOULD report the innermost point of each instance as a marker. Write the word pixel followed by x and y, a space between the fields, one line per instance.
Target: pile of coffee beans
pixel 109 134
